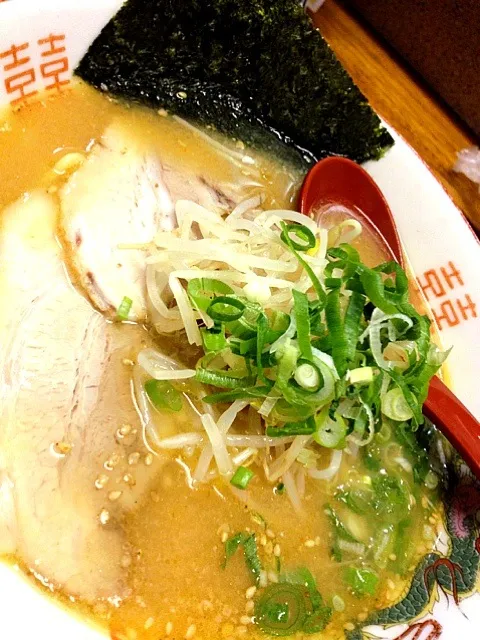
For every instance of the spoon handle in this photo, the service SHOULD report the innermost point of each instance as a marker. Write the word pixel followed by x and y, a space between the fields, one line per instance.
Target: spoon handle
pixel 455 421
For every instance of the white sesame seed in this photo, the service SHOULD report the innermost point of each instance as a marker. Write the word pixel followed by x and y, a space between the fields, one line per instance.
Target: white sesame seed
pixel 263 540
pixel 246 620
pixel 112 461
pixel 273 576
pixel 127 362
pixel 114 495
pixel 125 429
pixel 390 584
pixel 270 533
pixel 250 592
pixel 263 578
pixel 163 113
pixel 277 550
pixel 224 536
pixel 104 516
pixel 149 623
pixel 101 481
pixel 318 541
pixel 190 632
pixel 168 628
pixel 133 458
pixel 269 548
pixel 309 544
pixel 148 459
pixel 129 479
pixel 181 94
pixel 349 626
pixel 249 606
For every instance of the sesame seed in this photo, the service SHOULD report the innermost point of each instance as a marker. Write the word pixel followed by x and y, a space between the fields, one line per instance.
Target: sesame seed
pixel 133 458
pixel 249 606
pixel 263 578
pixel 250 592
pixel 149 623
pixel 392 557
pixel 309 544
pixel 246 620
pixel 318 541
pixel 114 495
pixel 104 516
pixel 273 576
pixel 190 632
pixel 390 584
pixel 432 520
pixel 269 548
pixel 362 616
pixel 168 628
pixel 277 550
pixel 101 481
pixel 112 461
pixel 182 95
pixel 127 362
pixel 263 540
pixel 349 626
pixel 241 630
pixel 163 113
pixel 129 479
pixel 224 536
pixel 239 144
pixel 148 459
pixel 270 533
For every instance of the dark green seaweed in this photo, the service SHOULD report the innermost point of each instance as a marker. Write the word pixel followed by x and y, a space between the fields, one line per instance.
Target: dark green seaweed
pixel 255 69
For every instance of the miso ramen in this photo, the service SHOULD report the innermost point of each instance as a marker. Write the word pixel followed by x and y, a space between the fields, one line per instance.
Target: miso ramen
pixel 211 406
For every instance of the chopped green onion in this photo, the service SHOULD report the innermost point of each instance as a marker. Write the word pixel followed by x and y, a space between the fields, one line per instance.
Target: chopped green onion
pixel 281 610
pixel 225 309
pixel 330 433
pixel 300 232
pixel 261 335
pixel 280 488
pixel 124 308
pixel 163 395
pixel 242 477
pixel 308 376
pixel 248 541
pixel 213 339
pixel 301 311
pixel 203 290
pixel 238 394
pixel 293 429
pixel 225 379
pixel 308 269
pixel 362 582
pixel 395 407
pixel 361 375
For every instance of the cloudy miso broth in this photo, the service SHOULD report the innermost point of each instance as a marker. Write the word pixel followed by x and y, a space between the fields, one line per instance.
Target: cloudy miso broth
pixel 157 554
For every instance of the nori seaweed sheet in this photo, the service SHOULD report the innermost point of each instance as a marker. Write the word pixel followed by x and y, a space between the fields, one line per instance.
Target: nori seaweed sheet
pixel 255 69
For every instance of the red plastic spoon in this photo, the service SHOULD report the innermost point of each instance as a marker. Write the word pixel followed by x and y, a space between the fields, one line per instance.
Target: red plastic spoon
pixel 341 181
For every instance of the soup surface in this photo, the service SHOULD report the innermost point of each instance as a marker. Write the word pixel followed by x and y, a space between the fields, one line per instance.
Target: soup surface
pixel 140 548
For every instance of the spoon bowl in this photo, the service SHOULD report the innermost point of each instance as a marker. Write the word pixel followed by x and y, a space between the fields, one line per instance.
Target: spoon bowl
pixel 337 180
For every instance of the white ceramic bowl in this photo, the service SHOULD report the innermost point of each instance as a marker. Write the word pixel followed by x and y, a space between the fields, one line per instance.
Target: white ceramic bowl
pixel 443 251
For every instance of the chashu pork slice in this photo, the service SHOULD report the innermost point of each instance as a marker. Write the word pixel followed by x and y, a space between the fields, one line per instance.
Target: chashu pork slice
pixel 68 427
pixel 123 194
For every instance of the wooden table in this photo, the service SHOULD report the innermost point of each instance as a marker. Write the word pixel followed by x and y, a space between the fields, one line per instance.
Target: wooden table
pixel 401 98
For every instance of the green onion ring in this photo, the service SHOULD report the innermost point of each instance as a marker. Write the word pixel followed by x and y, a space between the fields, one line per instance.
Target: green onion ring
pixel 225 309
